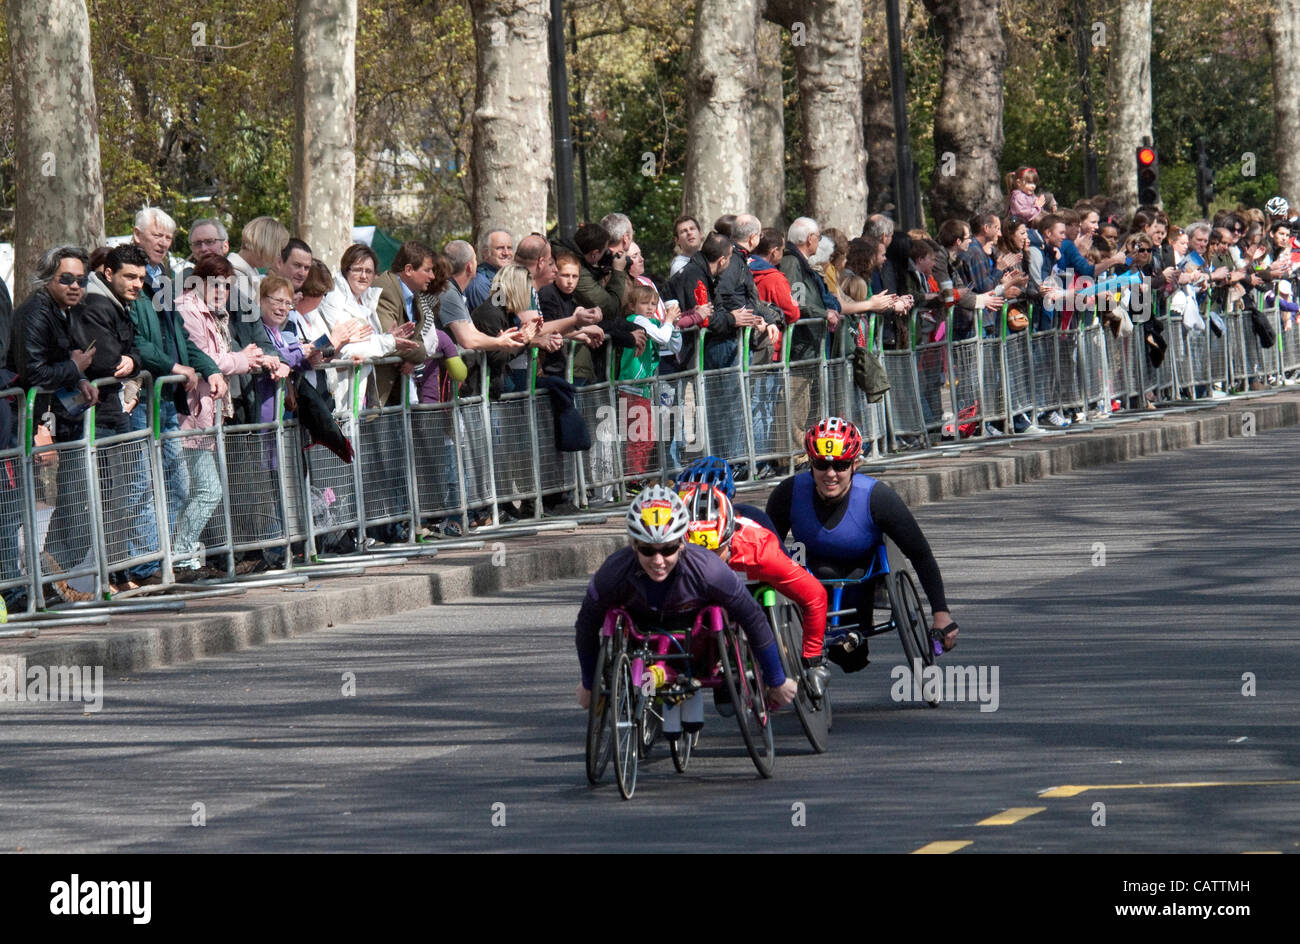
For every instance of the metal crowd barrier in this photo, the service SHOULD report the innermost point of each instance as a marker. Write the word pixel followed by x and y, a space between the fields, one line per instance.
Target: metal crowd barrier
pixel 231 492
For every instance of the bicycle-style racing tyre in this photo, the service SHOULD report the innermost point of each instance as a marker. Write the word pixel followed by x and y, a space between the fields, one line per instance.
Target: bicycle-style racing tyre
pixel 744 682
pixel 909 617
pixel 680 747
pixel 814 714
pixel 600 728
pixel 626 727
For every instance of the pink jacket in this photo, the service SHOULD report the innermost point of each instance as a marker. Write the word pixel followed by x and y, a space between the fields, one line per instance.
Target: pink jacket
pixel 201 326
pixel 1022 206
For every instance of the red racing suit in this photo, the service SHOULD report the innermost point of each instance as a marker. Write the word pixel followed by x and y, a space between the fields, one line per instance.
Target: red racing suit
pixel 757 553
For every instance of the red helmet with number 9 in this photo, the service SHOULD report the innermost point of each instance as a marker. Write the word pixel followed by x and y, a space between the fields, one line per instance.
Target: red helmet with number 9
pixel 833 438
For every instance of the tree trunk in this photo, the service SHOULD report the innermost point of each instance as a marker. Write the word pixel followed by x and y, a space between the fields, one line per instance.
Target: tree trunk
pixel 324 155
pixel 721 91
pixel 1284 37
pixel 827 35
pixel 59 193
pixel 511 156
pixel 767 136
pixel 878 114
pixel 968 116
pixel 1129 120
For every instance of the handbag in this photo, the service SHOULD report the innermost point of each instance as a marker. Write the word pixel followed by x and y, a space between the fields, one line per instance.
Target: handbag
pixel 869 375
pixel 1017 320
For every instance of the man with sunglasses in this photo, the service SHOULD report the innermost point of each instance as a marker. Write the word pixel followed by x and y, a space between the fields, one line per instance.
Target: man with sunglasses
pixel 663 583
pixel 42 354
pixel 840 517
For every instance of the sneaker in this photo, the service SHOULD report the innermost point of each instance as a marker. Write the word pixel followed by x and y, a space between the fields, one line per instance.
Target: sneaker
pixel 992 432
pixel 562 509
pixel 1080 416
pixel 817 674
pixel 61 587
pixel 1056 419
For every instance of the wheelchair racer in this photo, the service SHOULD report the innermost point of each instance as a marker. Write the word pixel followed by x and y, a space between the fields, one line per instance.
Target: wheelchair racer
pixel 841 516
pixel 663 582
pixel 757 552
pixel 714 471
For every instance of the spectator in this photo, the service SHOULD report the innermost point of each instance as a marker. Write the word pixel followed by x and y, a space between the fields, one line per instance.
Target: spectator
pixel 104 326
pixel 454 317
pixel 275 297
pixel 558 307
pixel 643 307
pixel 306 323
pixel 496 248
pixel 411 273
pixel 620 231
pixel 293 263
pixel 687 239
pixel 154 232
pixel 260 244
pixel 836 261
pixel 208 237
pixel 893 275
pixel 512 288
pixel 1023 203
pixel 353 300
pixel 207 322
pixel 772 285
pixel 41 353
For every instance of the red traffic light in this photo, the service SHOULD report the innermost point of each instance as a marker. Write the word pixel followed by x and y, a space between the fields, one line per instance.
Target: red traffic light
pixel 1146 156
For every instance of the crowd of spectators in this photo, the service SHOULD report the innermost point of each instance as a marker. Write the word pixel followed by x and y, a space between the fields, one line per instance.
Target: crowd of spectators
pixel 231 323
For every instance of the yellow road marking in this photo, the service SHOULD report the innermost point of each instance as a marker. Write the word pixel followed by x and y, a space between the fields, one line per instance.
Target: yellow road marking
pixel 1013 815
pixel 943 847
pixel 1262 852
pixel 1069 791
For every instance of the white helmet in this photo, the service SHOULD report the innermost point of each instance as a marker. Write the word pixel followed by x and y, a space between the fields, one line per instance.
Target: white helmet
pixel 657 516
pixel 1277 207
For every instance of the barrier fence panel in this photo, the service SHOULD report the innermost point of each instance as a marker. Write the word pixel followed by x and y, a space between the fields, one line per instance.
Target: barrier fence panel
pixel 1289 338
pixel 806 378
pixel 769 417
pixel 123 489
pixel 725 398
pixel 438 478
pixel 17 551
pixel 66 527
pixel 1018 371
pixel 381 456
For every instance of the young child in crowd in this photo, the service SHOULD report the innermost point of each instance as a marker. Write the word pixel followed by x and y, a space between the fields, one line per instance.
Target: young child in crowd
pixel 641 307
pixel 1022 204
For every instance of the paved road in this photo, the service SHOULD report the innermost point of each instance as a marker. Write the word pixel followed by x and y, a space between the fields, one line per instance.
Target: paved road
pixel 1127 672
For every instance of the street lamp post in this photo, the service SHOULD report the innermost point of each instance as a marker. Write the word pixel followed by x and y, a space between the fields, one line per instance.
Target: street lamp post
pixel 560 126
pixel 904 175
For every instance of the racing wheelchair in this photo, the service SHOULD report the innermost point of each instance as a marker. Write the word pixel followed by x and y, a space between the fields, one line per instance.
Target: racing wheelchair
pixel 906 617
pixel 626 712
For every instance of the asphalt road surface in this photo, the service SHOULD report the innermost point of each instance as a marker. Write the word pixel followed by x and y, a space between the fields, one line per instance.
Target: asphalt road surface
pixel 1123 609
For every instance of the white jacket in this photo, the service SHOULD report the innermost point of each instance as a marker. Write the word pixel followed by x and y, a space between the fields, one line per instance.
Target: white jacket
pixel 336 308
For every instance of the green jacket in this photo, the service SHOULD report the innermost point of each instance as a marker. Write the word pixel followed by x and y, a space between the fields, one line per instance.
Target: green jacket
pixel 149 341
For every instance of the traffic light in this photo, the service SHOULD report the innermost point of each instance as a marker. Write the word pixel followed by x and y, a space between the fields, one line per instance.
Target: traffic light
pixel 1148 168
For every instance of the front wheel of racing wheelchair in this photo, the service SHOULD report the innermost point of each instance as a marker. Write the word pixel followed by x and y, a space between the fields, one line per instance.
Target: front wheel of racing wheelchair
pixel 888 570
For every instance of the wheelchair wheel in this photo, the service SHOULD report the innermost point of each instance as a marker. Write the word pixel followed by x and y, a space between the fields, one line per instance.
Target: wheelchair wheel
pixel 625 725
pixel 600 726
pixel 650 726
pixel 681 750
pixel 814 717
pixel 744 681
pixel 910 619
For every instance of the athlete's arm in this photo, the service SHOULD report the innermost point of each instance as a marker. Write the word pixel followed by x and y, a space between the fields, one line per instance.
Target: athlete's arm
pixel 763 558
pixel 895 519
pixel 778 507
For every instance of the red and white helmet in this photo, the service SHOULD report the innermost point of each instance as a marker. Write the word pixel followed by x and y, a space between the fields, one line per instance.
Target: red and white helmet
pixel 713 519
pixel 833 438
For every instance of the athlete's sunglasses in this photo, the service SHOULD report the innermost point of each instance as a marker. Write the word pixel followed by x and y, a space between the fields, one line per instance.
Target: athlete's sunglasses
pixel 839 465
pixel 663 550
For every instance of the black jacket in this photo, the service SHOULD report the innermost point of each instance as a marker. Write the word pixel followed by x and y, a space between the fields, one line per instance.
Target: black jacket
pixel 104 320
pixel 38 351
pixel 736 288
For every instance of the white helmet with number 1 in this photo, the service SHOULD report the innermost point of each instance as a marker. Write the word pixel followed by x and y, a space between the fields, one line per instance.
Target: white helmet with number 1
pixel 657 516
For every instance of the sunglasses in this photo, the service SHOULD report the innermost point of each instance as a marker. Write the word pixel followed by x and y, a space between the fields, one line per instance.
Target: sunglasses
pixel 67 278
pixel 661 550
pixel 839 465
